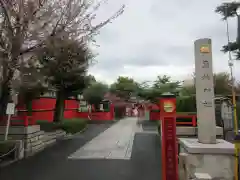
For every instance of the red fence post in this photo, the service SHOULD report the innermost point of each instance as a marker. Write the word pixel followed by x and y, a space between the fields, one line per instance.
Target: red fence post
pixel 25 121
pixel 194 121
pixel 169 137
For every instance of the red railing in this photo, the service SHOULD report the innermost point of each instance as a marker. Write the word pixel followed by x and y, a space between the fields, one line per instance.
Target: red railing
pixel 102 116
pixel 17 121
pixel 27 120
pixel 193 121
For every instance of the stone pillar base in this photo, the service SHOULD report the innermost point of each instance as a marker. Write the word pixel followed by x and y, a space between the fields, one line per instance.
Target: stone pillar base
pixel 189 131
pixel 31 136
pixel 206 161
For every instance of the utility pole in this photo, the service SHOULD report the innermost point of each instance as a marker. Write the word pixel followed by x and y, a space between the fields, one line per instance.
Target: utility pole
pixel 234 108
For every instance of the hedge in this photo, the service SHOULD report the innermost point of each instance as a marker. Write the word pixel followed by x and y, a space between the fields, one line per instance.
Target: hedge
pixel 186 104
pixel 72 126
pixel 48 126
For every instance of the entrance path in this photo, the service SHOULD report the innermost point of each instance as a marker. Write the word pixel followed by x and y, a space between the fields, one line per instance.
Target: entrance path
pixel 122 151
pixel 114 143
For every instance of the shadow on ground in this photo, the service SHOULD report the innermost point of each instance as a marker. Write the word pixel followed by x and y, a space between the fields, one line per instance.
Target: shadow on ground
pixel 52 163
pixel 148 125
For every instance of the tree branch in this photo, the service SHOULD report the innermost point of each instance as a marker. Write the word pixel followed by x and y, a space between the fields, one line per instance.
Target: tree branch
pixel 6 13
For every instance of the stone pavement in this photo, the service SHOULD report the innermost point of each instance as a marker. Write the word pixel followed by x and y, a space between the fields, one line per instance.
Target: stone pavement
pixel 122 152
pixel 114 143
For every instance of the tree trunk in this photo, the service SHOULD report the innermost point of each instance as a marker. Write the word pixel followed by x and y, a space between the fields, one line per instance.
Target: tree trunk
pixel 59 106
pixel 29 106
pixel 7 76
pixel 4 98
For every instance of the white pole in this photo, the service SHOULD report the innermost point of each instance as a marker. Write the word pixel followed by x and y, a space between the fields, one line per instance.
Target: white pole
pixel 9 111
pixel 7 127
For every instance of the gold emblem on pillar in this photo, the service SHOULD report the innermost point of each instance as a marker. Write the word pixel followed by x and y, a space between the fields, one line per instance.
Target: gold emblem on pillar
pixel 168 106
pixel 205 49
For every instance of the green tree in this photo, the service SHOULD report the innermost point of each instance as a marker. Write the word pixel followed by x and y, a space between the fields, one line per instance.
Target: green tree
pixel 91 79
pixel 95 92
pixel 26 25
pixel 188 90
pixel 32 84
pixel 144 90
pixel 125 87
pixel 64 63
pixel 222 86
pixel 160 85
pixel 222 83
pixel 164 84
pixel 161 80
pixel 230 10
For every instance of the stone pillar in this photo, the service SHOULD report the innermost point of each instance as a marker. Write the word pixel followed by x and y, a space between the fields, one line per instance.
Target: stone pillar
pixel 205 91
pixel 205 157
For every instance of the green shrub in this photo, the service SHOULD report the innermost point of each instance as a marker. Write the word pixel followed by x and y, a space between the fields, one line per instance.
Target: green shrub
pixel 48 126
pixel 73 125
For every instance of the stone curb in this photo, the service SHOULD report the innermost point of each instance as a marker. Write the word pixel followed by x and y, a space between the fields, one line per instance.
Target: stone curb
pixel 102 122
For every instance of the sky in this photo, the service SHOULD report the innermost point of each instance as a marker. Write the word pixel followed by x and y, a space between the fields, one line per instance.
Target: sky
pixel 157 37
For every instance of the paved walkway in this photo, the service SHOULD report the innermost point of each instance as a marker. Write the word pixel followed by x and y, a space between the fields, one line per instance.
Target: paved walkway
pixel 120 152
pixel 114 143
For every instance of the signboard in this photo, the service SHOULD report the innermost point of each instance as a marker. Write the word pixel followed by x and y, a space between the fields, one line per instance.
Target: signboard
pixel 10 109
pixel 169 148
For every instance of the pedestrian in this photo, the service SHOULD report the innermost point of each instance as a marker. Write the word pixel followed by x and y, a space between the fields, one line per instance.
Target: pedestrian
pixel 135 112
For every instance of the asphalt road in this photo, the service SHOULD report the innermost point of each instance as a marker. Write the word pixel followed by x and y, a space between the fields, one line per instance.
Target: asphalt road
pixel 53 162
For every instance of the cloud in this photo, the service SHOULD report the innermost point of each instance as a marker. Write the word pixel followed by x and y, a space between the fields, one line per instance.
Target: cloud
pixel 156 37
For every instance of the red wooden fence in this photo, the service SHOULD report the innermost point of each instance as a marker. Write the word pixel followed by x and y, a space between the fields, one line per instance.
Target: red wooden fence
pixel 43 109
pixel 155 116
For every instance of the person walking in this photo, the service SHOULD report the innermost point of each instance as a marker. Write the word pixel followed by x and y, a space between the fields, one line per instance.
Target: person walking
pixel 135 112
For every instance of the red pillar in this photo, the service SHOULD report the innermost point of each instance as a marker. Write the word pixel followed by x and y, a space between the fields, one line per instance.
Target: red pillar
pixel 168 137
